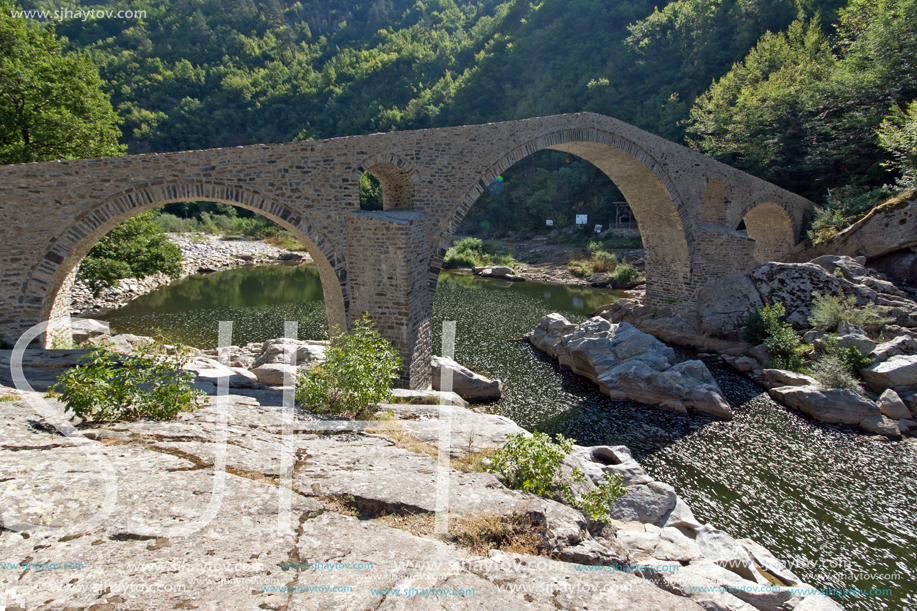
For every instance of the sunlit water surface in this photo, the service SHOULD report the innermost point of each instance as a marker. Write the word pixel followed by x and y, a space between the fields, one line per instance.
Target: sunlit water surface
pixel 831 502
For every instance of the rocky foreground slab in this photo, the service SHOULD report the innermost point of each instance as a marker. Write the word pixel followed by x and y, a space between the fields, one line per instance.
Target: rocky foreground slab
pixel 243 504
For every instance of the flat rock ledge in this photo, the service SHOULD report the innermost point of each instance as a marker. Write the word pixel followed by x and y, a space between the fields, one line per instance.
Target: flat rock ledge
pixel 627 363
pixel 350 526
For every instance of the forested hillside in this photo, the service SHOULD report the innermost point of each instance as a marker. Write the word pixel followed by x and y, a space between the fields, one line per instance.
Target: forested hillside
pixel 793 91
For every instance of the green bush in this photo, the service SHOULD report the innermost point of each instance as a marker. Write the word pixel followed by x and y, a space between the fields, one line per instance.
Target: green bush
pixel 533 464
pixel 844 207
pixel 828 311
pixel 623 276
pixel 852 358
pixel 472 252
pixel 107 386
pixel 356 375
pixel 832 371
pixel 785 345
pixel 754 329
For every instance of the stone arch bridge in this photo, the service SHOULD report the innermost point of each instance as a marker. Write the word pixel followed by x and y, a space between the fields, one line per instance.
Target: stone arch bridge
pixel 386 262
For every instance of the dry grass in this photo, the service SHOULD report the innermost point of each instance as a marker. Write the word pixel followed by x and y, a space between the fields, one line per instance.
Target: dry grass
pixel 339 504
pixel 427 400
pixel 285 239
pixel 513 533
pixel 418 524
pixel 471 462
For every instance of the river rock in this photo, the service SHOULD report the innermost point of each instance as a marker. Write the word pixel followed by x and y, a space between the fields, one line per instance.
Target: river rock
pixel 900 345
pixel 828 405
pixel 466 383
pixel 125 343
pixel 723 303
pixel 646 503
pixel 789 378
pixel 880 425
pixel 84 329
pixel 720 548
pixel 766 560
pixel 627 363
pixel 897 371
pixel 892 406
pixel 272 374
pixel 854 337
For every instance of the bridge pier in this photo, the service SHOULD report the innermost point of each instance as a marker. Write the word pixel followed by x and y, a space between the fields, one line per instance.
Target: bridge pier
pixel 388 275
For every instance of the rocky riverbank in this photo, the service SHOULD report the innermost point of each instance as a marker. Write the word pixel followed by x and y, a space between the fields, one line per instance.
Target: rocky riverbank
pixel 201 253
pixel 347 520
pixel 889 348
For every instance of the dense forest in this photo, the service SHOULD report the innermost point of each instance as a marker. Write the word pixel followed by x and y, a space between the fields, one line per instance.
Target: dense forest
pixel 797 92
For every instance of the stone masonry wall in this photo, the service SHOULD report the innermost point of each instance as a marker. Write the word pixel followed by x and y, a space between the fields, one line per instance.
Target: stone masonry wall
pixel 52 213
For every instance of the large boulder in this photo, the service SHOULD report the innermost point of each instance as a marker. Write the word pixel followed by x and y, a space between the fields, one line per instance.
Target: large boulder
pixel 272 374
pixel 723 303
pixel 902 344
pixel 627 363
pixel 83 329
pixel 892 406
pixel 897 371
pixel 466 383
pixel 826 404
pixel 792 284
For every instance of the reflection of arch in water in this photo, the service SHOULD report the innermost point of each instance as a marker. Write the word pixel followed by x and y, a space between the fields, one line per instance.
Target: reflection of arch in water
pixel 661 215
pixel 58 267
pixel 768 222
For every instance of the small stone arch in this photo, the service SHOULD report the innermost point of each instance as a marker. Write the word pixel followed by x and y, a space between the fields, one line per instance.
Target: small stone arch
pixel 665 224
pixel 715 201
pixel 397 177
pixel 769 222
pixel 53 278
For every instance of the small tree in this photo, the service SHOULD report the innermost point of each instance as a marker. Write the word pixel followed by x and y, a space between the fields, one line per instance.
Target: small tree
pixel 136 248
pixel 356 375
pixel 149 383
pixel 898 135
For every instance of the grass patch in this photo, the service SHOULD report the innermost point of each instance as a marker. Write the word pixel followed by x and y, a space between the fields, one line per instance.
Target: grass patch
pixel 284 239
pixel 597 261
pixel 513 533
pixel 426 400
pixel 472 252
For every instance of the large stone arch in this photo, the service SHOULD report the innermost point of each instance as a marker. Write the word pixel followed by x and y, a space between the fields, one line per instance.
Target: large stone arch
pixel 53 278
pixel 663 218
pixel 769 222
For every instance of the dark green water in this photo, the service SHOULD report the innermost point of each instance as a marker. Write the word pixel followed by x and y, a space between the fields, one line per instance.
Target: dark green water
pixel 829 501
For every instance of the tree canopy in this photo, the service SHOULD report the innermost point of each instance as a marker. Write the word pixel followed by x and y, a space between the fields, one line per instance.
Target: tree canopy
pixel 52 104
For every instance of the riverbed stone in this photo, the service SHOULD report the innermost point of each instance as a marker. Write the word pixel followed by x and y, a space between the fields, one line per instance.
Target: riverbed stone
pixel 722 549
pixel 767 561
pixel 467 384
pixel 854 337
pixel 789 378
pixel 880 425
pixel 900 370
pixel 272 374
pixel 828 404
pixel 892 406
pixel 646 503
pixel 902 344
pixel 627 363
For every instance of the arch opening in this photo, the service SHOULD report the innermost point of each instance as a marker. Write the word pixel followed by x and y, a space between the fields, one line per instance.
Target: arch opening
pixel 769 225
pixel 62 260
pixel 388 182
pixel 655 205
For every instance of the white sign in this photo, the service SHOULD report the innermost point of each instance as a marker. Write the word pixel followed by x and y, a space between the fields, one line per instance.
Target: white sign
pixel 550 223
pixel 580 219
pixel 598 229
